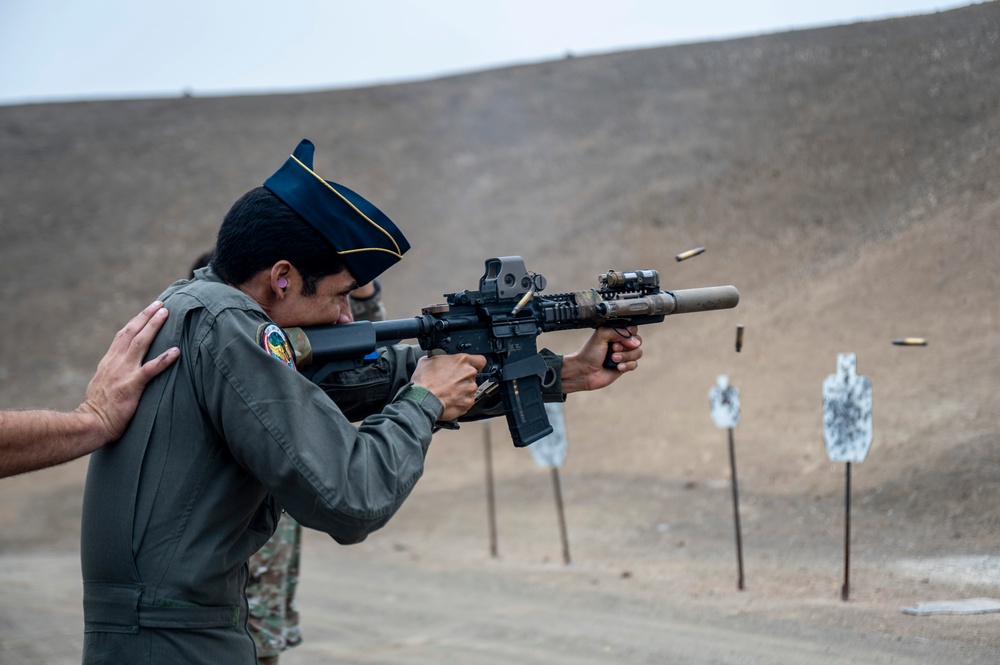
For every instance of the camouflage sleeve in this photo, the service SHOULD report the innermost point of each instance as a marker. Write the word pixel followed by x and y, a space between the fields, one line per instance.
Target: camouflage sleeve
pixel 370 308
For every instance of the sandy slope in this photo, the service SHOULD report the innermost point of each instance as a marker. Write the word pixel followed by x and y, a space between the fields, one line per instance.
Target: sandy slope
pixel 844 179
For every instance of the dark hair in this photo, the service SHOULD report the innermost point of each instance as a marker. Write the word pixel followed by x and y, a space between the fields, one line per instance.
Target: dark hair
pixel 259 230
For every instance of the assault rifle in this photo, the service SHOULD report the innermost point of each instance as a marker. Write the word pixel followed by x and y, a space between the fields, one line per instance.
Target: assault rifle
pixel 502 320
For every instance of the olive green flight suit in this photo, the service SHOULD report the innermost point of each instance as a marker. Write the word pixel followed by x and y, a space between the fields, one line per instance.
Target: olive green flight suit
pixel 225 436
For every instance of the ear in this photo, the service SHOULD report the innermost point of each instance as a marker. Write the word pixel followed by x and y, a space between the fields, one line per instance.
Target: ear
pixel 281 278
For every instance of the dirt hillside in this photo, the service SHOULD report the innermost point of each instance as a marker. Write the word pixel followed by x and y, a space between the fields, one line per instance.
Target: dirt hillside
pixel 845 179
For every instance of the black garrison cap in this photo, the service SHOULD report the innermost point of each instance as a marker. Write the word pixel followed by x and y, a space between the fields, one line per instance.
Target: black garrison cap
pixel 364 238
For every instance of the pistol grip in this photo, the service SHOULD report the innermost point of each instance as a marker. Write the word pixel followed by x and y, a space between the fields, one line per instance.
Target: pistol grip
pixel 608 362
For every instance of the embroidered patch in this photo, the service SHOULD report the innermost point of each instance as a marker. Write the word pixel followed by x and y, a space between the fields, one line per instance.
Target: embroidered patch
pixel 273 340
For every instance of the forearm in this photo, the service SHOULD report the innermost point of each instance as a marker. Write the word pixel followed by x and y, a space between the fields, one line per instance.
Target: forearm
pixel 31 440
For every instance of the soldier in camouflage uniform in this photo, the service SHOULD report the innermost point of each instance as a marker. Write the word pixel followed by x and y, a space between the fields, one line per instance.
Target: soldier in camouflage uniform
pixel 274 569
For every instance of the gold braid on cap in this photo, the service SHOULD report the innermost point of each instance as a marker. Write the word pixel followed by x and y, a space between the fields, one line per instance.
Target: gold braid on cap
pixel 397 253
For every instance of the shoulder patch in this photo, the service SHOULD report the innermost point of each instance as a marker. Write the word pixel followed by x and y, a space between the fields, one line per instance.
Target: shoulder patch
pixel 273 340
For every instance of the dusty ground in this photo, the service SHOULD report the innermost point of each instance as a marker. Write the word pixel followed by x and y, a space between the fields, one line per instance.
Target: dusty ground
pixel 845 179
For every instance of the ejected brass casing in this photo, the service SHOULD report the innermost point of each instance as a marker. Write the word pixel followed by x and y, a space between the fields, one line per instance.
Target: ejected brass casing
pixel 910 341
pixel 688 254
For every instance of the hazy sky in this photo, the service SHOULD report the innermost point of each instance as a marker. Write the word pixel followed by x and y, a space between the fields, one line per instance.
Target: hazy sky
pixel 53 50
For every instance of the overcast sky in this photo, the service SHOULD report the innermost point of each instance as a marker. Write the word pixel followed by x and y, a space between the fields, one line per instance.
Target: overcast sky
pixel 54 50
